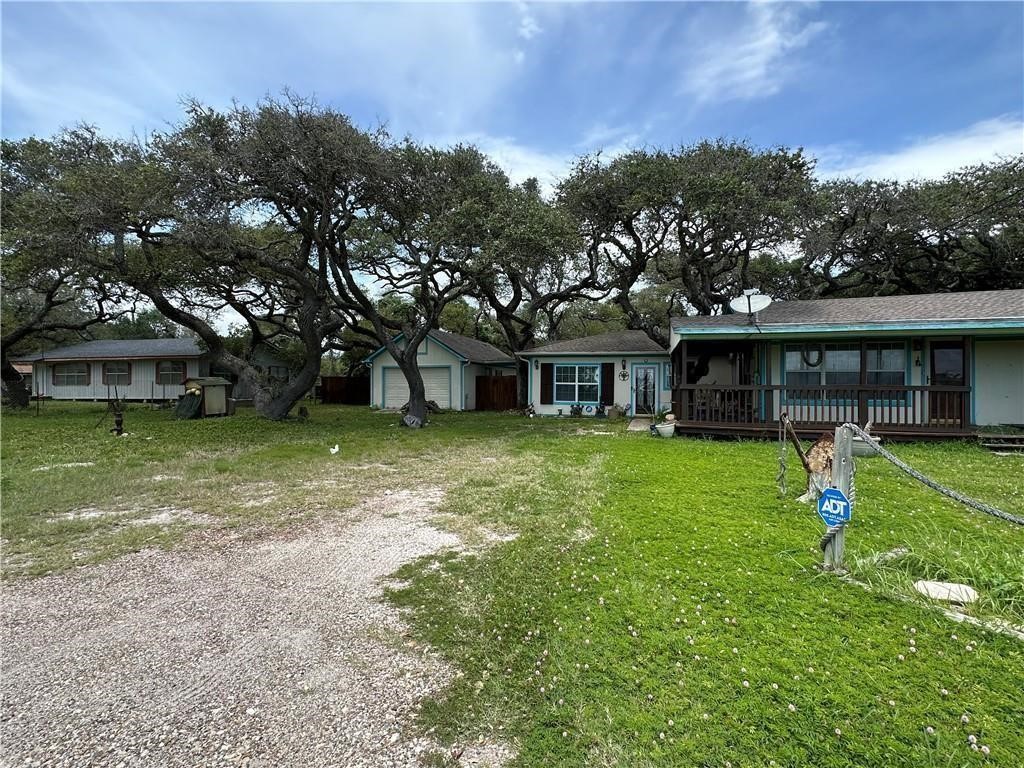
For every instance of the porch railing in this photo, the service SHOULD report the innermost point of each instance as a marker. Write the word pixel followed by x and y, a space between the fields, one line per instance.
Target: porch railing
pixel 912 408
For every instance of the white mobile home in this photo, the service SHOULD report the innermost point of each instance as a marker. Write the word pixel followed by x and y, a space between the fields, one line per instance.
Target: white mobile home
pixel 134 369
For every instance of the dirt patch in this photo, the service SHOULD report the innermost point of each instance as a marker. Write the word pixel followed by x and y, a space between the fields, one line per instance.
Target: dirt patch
pixel 48 467
pixel 277 652
pixel 168 515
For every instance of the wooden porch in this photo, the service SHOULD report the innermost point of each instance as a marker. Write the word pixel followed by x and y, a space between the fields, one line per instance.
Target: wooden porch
pixel 908 412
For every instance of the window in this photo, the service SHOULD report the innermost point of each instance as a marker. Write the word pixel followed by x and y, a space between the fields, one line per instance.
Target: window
pixel 577 383
pixel 803 366
pixel 831 365
pixel 170 372
pixel 842 365
pixel 886 363
pixel 839 365
pixel 117 373
pixel 71 374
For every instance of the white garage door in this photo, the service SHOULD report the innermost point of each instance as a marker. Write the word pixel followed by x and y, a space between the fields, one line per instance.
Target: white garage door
pixel 436 381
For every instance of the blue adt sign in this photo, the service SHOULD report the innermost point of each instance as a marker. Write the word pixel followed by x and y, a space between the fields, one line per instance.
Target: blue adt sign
pixel 834 507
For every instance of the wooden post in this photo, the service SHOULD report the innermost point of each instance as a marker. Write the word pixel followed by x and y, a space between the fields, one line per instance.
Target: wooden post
pixel 842 477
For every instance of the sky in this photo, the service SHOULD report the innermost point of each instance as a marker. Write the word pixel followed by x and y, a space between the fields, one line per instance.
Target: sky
pixel 894 90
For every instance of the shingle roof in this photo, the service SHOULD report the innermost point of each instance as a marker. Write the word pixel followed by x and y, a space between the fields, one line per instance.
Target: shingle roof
pixel 613 343
pixel 114 349
pixel 474 350
pixel 922 308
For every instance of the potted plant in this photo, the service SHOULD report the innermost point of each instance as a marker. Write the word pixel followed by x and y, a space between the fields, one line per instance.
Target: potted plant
pixel 665 423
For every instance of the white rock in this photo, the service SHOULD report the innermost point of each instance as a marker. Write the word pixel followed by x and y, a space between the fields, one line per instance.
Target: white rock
pixel 947 591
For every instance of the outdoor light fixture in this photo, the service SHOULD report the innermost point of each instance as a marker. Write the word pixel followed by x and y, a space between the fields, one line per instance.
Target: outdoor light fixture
pixel 536 364
pixel 623 363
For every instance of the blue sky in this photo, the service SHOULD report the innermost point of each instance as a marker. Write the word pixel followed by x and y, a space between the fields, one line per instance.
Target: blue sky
pixel 871 89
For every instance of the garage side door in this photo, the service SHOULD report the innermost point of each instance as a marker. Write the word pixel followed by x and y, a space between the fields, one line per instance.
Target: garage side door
pixel 436 381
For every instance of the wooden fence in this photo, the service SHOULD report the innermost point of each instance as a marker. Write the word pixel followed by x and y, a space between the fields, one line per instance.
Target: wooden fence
pixel 345 390
pixel 496 393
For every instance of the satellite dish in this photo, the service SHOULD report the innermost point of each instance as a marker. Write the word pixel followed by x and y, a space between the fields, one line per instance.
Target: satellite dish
pixel 750 302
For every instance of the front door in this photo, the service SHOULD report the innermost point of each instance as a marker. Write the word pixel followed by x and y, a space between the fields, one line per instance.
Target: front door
pixel 947 370
pixel 645 389
pixel 947 364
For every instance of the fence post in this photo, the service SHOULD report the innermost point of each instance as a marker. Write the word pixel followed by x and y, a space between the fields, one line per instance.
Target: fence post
pixel 842 478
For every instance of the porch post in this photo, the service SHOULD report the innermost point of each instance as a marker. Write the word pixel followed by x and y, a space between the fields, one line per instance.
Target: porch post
pixel 965 398
pixel 684 394
pixel 769 393
pixel 862 393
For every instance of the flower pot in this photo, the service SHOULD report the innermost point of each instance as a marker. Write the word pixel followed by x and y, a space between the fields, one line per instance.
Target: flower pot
pixel 665 430
pixel 861 448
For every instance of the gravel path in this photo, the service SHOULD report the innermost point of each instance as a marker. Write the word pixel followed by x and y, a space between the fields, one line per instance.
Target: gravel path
pixel 278 653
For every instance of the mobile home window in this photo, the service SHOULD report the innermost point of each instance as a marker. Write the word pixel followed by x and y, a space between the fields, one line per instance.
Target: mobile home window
pixel 832 365
pixel 117 373
pixel 576 383
pixel 886 363
pixel 170 372
pixel 70 374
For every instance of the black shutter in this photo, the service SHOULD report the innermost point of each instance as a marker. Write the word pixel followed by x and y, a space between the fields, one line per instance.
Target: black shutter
pixel 607 383
pixel 547 383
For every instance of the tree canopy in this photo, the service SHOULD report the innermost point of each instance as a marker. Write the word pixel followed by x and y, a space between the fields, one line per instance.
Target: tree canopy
pixel 314 235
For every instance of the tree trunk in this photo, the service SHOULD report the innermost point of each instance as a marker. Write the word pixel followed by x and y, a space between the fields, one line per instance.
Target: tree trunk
pixel 273 403
pixel 417 394
pixel 18 394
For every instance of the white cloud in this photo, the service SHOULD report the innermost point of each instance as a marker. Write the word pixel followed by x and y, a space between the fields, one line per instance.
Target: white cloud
pixel 519 161
pixel 754 59
pixel 529 28
pixel 927 157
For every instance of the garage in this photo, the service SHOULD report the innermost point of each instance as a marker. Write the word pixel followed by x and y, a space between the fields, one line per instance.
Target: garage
pixel 436 381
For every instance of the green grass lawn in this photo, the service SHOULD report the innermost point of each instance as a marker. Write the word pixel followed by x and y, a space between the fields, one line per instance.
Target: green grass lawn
pixel 661 605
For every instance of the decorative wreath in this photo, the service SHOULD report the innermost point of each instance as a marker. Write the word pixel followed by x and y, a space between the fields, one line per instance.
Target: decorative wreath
pixel 808 348
pixel 623 375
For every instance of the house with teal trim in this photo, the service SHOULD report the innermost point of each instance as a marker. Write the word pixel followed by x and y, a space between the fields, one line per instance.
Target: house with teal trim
pixel 942 365
pixel 450 365
pixel 623 368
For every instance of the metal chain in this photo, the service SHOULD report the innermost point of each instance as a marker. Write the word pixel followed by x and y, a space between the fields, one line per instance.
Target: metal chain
pixel 988 509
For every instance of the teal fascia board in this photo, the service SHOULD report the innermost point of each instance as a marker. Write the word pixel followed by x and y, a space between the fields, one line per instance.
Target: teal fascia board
pixel 800 330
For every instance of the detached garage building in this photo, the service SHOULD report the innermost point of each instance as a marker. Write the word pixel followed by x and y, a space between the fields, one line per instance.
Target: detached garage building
pixel 449 364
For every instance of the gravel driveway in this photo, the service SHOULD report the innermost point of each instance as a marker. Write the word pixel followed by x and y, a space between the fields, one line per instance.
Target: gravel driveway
pixel 277 653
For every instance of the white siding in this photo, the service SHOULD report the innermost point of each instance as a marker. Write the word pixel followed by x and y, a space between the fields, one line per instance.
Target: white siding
pixel 623 389
pixel 998 382
pixel 143 382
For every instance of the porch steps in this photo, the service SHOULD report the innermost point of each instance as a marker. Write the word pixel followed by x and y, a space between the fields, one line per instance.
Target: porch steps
pixel 1003 443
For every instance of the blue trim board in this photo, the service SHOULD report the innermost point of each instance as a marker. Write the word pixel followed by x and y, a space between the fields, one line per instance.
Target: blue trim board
pixel 952 326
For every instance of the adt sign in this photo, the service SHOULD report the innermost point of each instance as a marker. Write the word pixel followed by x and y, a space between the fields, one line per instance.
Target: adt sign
pixel 834 507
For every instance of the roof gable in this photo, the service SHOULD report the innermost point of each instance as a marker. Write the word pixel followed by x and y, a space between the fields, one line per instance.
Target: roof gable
pixel 463 347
